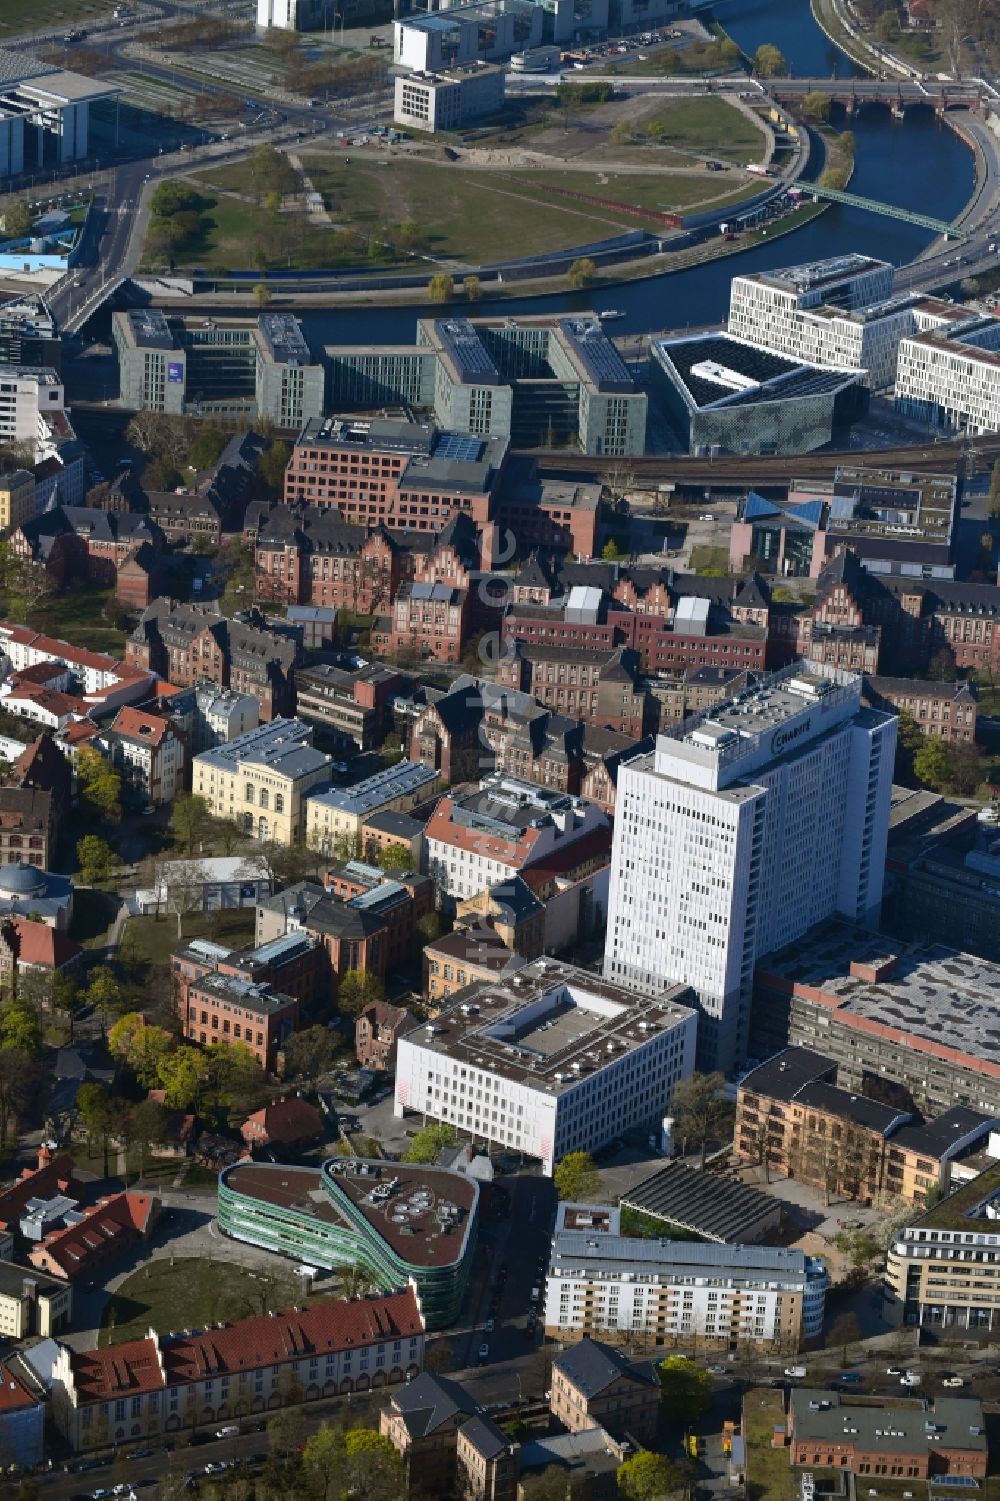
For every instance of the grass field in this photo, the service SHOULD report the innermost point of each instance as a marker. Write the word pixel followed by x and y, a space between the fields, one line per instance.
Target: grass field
pixel 189 1294
pixel 475 216
pixel 20 16
pixel 153 939
pixel 78 616
pixel 707 125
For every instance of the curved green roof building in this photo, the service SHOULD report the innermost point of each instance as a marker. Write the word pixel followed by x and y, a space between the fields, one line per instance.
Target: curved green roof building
pixel 400 1221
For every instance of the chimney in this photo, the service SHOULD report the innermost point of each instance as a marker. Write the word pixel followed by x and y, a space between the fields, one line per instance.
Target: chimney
pixel 44 1154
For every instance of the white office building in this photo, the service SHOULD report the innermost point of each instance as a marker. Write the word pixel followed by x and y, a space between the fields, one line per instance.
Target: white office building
pixel 27 398
pixel 837 312
pixel 551 1061
pixel 763 816
pixel 293 15
pixel 951 378
pixel 672 1290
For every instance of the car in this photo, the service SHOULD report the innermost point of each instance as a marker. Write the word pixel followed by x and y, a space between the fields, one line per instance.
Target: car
pixel 953 1381
pixel 216 1467
pixel 484 1353
pixel 489 1326
pixel 850 1378
pixel 795 1372
pixel 706 516
pixel 909 1378
pixel 893 1370
pixel 230 1431
pixel 718 1370
pixel 139 1453
pixel 148 810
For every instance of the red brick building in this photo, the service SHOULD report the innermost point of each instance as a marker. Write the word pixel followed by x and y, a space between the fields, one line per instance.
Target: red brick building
pixel 292 964
pixel 286 1123
pixel 571 680
pixel 223 1008
pixel 191 644
pixel 107 1230
pixel 402 474
pixel 906 1441
pixel 376 1032
pixel 303 559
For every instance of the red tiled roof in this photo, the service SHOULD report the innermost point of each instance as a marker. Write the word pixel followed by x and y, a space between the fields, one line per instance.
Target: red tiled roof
pixel 41 945
pixel 15 1393
pixel 40 672
pixel 269 1339
pixel 83 729
pixel 69 1252
pixel 35 1183
pixel 513 850
pixel 50 699
pixel 136 724
pixel 287 1120
pixel 569 858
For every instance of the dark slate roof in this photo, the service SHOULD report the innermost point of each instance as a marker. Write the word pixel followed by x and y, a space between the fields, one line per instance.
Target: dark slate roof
pixel 942 1135
pixel 485 1437
pixel 782 1076
pixel 516 900
pixel 429 1401
pixel 342 920
pixel 753 594
pixel 532 574
pixel 856 1108
pixel 591 1366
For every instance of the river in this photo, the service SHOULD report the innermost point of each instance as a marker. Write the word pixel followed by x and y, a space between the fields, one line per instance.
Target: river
pixel 915 163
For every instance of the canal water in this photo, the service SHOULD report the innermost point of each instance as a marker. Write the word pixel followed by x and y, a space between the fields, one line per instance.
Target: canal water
pixel 914 163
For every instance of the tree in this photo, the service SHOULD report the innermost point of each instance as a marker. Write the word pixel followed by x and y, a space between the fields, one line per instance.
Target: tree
pixel 699 1107
pixel 18 1081
pixel 932 763
pixel 836 178
pixel 611 552
pixel 430 927
pixel 17 219
pixel 145 1126
pixel 97 1111
pixel 395 857
pixel 373 1471
pixel 190 820
pixel 967 769
pixel 104 993
pixel 186 890
pixel 180 1078
pixel 324 1461
pixel 647 1476
pixel 206 447
pixel 262 294
pixel 96 859
pixel 472 287
pixel 428 1143
pixel 273 463
pixel 768 61
pixel 844 1332
pixel 817 106
pixel 140 1046
pixel 622 134
pixel 21 1026
pixel 357 989
pixel 581 273
pixel 237 1075
pixel 441 287
pixel 99 785
pixel 685 1390
pixel 576 1177
pixel 439 1356
pixel 309 1053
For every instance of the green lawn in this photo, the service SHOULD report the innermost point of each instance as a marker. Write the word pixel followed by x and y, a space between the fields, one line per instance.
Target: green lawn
pixel 151 940
pixel 707 124
pixel 190 1294
pixel 475 216
pixel 80 616
pixel 17 16
pixel 705 559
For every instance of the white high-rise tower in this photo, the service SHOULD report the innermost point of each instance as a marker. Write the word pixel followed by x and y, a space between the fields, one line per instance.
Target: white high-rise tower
pixel 762 817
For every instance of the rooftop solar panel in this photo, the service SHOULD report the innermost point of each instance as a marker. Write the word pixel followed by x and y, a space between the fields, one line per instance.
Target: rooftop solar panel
pixel 459 446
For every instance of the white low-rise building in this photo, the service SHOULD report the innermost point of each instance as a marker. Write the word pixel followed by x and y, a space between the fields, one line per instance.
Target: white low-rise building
pixel 551 1061
pixel 667 1291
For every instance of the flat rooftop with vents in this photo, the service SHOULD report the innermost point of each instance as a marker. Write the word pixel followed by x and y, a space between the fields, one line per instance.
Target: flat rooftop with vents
pixel 400 1221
